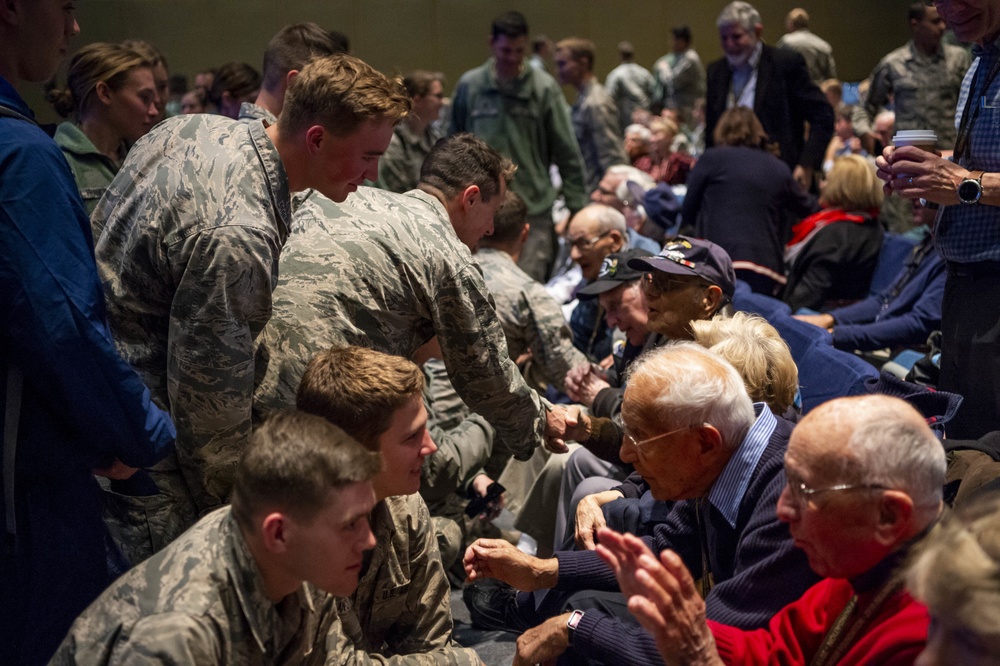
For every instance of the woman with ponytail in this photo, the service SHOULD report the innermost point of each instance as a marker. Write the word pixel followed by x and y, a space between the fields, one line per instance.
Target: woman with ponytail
pixel 110 98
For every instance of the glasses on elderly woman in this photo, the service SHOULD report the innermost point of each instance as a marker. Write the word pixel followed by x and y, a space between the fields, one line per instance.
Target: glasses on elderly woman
pixel 799 492
pixel 638 444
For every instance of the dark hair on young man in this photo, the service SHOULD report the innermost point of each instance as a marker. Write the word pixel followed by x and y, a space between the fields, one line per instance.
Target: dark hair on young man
pixel 292 48
pixel 579 49
pixel 461 160
pixel 342 41
pixel 509 24
pixel 418 82
pixel 292 463
pixel 509 221
pixel 239 79
pixel 340 92
pixel 681 32
pixel 358 389
pixel 916 10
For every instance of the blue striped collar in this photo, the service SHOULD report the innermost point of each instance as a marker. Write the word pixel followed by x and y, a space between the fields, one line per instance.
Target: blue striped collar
pixel 728 490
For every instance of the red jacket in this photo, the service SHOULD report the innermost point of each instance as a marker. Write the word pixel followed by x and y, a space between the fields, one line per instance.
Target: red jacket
pixel 895 636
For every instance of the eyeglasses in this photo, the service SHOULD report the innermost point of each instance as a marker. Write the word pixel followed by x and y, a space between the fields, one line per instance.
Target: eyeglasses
pixel 800 492
pixel 659 283
pixel 585 244
pixel 638 444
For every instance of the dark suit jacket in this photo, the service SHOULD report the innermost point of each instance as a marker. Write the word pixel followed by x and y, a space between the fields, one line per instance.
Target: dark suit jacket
pixel 786 98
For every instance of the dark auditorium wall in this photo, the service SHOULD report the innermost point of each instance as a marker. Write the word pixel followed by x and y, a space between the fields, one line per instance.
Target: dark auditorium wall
pixel 450 35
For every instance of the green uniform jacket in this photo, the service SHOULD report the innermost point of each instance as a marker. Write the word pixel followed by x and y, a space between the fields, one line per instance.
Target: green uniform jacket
pixel 92 170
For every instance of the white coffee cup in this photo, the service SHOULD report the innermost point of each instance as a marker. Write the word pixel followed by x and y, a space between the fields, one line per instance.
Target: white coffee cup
pixel 922 139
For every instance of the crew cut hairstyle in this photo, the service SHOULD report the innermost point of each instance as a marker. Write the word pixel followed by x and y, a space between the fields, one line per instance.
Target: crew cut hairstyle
pixel 509 24
pixel 340 92
pixel 509 221
pixel 292 48
pixel 358 389
pixel 579 49
pixel 292 463
pixel 461 160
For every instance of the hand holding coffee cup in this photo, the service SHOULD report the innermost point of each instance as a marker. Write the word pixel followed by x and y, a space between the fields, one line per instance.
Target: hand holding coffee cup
pixel 922 139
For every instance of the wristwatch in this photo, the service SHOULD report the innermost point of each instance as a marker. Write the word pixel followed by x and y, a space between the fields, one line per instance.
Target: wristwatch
pixel 970 190
pixel 574 621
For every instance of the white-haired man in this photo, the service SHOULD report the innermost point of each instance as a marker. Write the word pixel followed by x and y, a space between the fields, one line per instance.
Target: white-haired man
pixel 864 483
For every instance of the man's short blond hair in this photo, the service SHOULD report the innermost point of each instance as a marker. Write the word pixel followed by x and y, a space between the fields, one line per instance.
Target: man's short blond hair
pixel 340 92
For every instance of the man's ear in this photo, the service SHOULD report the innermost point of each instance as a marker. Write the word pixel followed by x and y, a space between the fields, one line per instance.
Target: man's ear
pixel 712 299
pixel 617 240
pixel 758 30
pixel 524 234
pixel 470 196
pixel 274 532
pixel 895 511
pixel 710 439
pixel 292 73
pixel 10 11
pixel 315 136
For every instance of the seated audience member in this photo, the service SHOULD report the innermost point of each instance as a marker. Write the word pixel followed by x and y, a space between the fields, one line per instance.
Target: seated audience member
pixel 694 435
pixel 763 360
pixel 412 140
pixel 667 165
pixel 286 54
pixel 637 140
pixel 235 83
pixel 532 321
pixel 864 478
pixel 391 271
pixel 161 73
pixel 957 576
pixel 593 233
pixel 844 141
pixel 618 188
pixel 741 196
pixel 110 96
pixel 250 581
pixel 905 312
pixel 832 254
pixel 194 101
pixel 378 398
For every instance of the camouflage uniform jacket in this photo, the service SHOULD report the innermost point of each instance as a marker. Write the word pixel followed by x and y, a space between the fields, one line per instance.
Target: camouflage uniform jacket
pixel 387 271
pixel 631 87
pixel 250 111
pixel 199 601
pixel 595 120
pixel 192 228
pixel 680 80
pixel 925 89
pixel 401 612
pixel 92 170
pixel 527 120
pixel 399 167
pixel 531 318
pixel 815 50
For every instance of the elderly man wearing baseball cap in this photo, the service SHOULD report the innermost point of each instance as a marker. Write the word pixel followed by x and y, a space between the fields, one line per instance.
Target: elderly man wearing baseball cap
pixel 691 279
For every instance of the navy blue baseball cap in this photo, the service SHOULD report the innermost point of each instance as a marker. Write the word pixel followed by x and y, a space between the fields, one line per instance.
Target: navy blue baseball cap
pixel 692 256
pixel 616 270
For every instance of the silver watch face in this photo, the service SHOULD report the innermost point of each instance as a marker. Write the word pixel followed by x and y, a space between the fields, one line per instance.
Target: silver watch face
pixel 969 191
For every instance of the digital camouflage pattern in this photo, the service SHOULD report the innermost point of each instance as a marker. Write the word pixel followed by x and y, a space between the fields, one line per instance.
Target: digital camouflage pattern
pixel 402 607
pixel 250 111
pixel 199 601
pixel 631 87
pixel 189 236
pixel 399 166
pixel 387 271
pixel 680 80
pixel 924 89
pixel 595 121
pixel 531 318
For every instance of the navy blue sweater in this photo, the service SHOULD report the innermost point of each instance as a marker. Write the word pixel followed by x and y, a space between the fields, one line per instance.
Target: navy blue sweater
pixel 756 569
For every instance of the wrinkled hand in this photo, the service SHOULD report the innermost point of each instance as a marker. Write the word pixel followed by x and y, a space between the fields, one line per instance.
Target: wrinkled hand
pixel 117 470
pixel 584 389
pixel 575 378
pixel 543 644
pixel 481 485
pixel 917 174
pixel 496 558
pixel 590 517
pixel 662 597
pixel 824 321
pixel 561 424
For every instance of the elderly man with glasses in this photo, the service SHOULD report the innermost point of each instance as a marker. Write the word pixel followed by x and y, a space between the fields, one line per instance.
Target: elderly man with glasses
pixel 696 439
pixel 864 485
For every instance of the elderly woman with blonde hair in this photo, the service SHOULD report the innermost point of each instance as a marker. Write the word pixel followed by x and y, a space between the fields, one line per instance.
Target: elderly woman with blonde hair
pixel 957 576
pixel 832 254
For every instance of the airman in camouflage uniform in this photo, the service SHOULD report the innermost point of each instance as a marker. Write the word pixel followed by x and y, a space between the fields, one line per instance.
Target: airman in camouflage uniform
pixel 924 78
pixel 388 271
pixel 402 607
pixel 250 112
pixel 189 236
